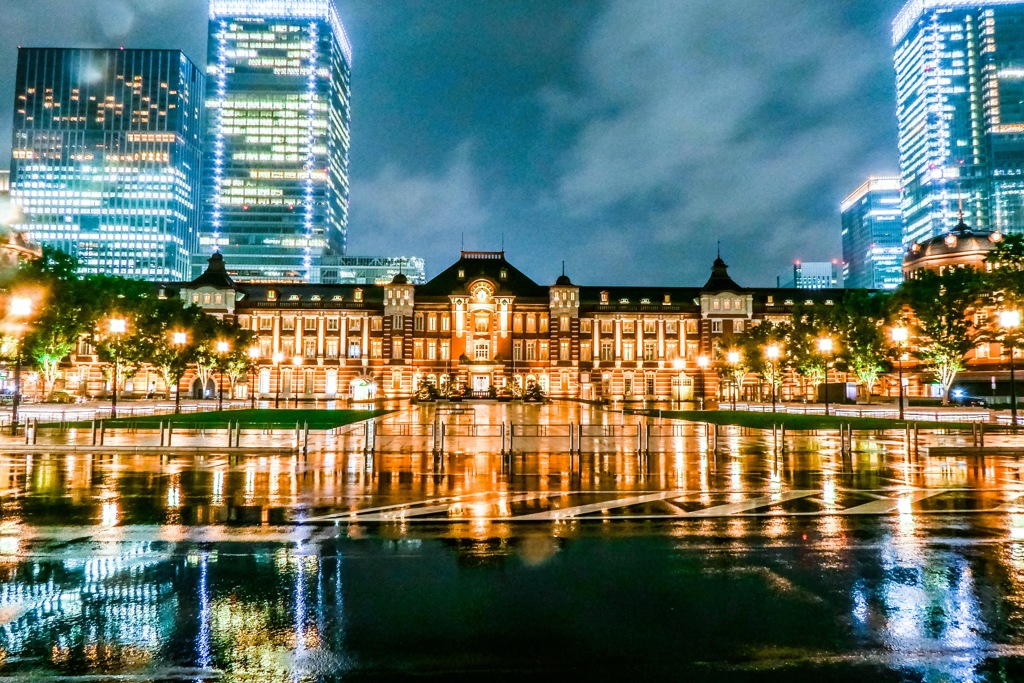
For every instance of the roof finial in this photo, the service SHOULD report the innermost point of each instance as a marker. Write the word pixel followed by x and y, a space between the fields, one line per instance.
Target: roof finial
pixel 563 266
pixel 401 262
pixel 719 248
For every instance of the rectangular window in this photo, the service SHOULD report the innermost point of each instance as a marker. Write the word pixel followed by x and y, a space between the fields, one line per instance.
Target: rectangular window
pixel 287 324
pixel 543 350
pixel 531 350
pixel 517 350
pixel 606 350
pixel 376 324
pixel 376 349
pixel 288 348
pixel 355 350
pixel 564 324
pixel 332 324
pixel 266 323
pixel 563 350
pixel 650 350
pixel 628 327
pixel 691 350
pixel 650 326
pixel 446 350
pixel 531 324
pixel 671 350
pixel 671 327
pixel 432 322
pixel 310 325
pixel 517 322
pixel 691 327
pixel 417 323
pixel 431 350
pixel 982 351
pixel 446 323
pixel 309 348
pixel 543 323
pixel 481 324
pixel 355 325
pixel 332 348
pixel 607 327
pixel 396 322
pixel 585 327
pixel 627 385
pixel 396 381
pixel 737 326
pixel 586 353
pixel 716 327
pixel 627 351
pixel 481 350
pixel 417 349
pixel 396 349
pixel 650 385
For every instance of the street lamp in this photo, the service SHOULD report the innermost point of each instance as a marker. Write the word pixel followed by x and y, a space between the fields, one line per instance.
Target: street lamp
pixel 178 339
pixel 1010 321
pixel 825 347
pixel 772 353
pixel 900 335
pixel 296 361
pixel 278 357
pixel 679 364
pixel 702 364
pixel 254 353
pixel 20 308
pixel 734 360
pixel 117 328
pixel 222 349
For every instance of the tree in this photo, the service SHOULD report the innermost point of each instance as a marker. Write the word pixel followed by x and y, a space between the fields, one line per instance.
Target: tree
pixel 940 304
pixel 735 368
pixel 756 340
pixel 809 323
pixel 1005 280
pixel 863 349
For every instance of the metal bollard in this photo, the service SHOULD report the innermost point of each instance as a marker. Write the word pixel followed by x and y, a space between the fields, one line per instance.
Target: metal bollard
pixel 170 428
pixel 103 429
pixel 161 433
pixel 305 439
pixel 94 432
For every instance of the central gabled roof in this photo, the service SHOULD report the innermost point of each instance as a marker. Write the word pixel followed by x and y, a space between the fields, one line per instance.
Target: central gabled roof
pixel 476 265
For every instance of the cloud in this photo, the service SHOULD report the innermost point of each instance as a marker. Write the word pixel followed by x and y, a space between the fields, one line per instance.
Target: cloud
pixel 396 211
pixel 697 121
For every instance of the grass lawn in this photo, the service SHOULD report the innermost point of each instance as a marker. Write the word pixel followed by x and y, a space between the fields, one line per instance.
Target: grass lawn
pixel 317 419
pixel 798 422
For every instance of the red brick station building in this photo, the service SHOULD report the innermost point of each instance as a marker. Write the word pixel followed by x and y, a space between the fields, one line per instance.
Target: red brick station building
pixel 484 324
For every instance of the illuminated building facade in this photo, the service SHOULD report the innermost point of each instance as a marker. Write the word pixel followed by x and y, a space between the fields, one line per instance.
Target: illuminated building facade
pixel 959 90
pixel 815 275
pixel 372 270
pixel 873 235
pixel 277 147
pixel 106 157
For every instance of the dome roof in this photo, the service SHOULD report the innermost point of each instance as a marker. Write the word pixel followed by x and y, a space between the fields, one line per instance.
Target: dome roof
pixel 563 281
pixel 400 279
pixel 961 242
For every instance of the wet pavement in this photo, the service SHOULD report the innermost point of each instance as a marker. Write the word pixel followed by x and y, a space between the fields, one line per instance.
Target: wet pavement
pixel 749 562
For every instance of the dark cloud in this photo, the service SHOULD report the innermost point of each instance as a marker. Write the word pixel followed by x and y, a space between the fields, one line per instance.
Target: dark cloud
pixel 626 136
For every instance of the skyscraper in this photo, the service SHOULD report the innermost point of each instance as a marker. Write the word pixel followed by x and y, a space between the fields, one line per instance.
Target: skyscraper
pixel 106 158
pixel 278 137
pixel 960 110
pixel 873 235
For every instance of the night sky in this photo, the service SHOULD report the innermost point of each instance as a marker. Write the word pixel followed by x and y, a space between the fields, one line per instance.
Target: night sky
pixel 625 137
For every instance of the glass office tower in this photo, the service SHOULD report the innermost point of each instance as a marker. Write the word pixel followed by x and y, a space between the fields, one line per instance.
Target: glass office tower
pixel 960 110
pixel 873 235
pixel 107 150
pixel 278 138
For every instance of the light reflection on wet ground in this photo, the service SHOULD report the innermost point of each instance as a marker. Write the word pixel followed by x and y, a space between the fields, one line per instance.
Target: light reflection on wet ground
pixel 748 565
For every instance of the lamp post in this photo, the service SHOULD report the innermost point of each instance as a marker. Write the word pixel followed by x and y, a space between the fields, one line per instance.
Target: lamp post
pixel 296 361
pixel 734 360
pixel 117 327
pixel 254 353
pixel 679 364
pixel 1010 321
pixel 278 357
pixel 702 364
pixel 20 308
pixel 825 347
pixel 178 339
pixel 900 335
pixel 772 353
pixel 222 348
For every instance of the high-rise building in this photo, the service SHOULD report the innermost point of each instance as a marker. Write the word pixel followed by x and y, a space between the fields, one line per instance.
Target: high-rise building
pixel 873 235
pixel 814 275
pixel 277 160
pixel 107 150
pixel 960 111
pixel 371 270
